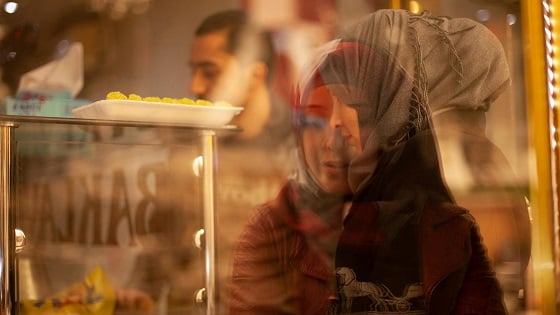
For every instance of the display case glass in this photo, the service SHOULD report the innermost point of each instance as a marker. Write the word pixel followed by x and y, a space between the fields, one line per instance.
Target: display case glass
pixel 155 208
pixel 111 212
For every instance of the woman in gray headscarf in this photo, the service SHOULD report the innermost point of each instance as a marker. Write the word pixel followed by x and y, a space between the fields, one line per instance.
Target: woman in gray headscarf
pixel 368 225
pixel 460 93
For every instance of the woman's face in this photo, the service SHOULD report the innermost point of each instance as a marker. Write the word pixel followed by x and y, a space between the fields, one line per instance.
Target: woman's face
pixel 330 139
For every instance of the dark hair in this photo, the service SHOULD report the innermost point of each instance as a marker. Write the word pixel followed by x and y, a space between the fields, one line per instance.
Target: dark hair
pixel 237 23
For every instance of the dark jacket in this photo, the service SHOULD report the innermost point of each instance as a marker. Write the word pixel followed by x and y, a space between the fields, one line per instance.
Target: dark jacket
pixel 276 271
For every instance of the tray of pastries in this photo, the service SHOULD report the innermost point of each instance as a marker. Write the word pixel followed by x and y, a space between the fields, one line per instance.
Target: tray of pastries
pixel 133 107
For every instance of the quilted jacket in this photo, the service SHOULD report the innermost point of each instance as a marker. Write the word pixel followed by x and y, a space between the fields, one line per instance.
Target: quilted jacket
pixel 276 271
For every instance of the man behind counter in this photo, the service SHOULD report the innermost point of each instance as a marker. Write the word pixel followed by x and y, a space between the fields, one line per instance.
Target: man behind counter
pixel 232 59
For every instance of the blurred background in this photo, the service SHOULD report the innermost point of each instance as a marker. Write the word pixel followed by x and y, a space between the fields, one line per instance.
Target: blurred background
pixel 143 47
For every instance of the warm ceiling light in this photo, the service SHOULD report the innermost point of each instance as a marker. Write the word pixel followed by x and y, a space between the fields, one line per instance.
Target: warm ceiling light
pixel 10 7
pixel 414 6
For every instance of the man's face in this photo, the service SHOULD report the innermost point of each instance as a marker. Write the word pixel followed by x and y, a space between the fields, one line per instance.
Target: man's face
pixel 216 74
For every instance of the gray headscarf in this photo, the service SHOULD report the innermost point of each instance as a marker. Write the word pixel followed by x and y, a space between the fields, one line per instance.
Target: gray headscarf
pixel 415 58
pixel 477 71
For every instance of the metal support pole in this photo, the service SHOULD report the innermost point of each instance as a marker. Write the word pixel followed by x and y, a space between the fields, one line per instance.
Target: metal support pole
pixel 208 204
pixel 7 226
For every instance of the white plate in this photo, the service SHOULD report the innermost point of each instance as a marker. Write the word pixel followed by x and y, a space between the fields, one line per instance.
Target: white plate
pixel 127 110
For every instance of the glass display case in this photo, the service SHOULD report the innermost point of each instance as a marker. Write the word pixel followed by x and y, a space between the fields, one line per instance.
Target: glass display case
pixel 120 209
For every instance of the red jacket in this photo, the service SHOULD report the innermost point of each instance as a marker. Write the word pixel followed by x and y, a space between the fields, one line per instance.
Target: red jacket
pixel 275 271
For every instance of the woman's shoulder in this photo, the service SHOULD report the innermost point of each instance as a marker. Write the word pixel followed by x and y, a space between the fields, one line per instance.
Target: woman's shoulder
pixel 266 214
pixel 273 217
pixel 439 214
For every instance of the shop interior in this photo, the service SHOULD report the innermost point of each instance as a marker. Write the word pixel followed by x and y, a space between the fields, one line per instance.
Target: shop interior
pixel 123 204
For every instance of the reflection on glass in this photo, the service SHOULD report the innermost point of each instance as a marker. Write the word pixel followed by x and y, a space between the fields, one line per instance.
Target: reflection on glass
pixel 135 207
pixel 369 201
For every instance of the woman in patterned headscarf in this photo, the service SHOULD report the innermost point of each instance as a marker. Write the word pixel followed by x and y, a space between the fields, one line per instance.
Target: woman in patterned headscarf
pixel 460 93
pixel 368 225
